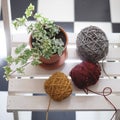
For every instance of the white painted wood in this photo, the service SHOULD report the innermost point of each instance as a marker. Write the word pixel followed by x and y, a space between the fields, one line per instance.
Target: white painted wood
pixel 40 103
pixel 16 116
pixel 73 55
pixel 19 38
pixel 111 64
pixel 22 36
pixel 37 86
pixel 19 88
pixel 6 10
pixel 112 37
pixel 111 68
pixel 112 54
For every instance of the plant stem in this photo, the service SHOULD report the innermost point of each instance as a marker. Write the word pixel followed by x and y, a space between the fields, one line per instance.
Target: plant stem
pixel 21 67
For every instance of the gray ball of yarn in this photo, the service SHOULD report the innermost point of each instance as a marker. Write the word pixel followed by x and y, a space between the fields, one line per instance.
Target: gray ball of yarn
pixel 92 44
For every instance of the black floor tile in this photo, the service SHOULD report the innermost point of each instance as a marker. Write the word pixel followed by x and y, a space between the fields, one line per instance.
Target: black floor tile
pixel 3 82
pixel 68 26
pixel 92 10
pixel 116 27
pixel 54 116
pixel 0 15
pixel 18 7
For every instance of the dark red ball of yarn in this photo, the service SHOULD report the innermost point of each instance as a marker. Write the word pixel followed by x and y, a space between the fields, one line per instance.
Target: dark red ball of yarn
pixel 85 74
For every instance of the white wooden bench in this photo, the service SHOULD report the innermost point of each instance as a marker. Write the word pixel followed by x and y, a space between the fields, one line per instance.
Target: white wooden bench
pixel 33 82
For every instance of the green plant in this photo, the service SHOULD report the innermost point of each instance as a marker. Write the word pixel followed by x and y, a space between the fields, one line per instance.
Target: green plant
pixel 45 43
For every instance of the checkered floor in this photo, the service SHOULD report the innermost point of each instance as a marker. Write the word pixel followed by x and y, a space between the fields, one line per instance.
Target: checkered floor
pixel 72 15
pixel 77 14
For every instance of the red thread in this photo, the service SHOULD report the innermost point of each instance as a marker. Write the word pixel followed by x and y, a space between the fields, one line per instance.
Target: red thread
pixel 86 74
pixel 104 94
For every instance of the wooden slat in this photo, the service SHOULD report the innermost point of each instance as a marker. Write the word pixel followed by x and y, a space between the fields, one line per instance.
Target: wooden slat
pixel 72 53
pixel 37 86
pixel 40 103
pixel 22 36
pixel 112 54
pixel 81 102
pixel 114 37
pixel 111 68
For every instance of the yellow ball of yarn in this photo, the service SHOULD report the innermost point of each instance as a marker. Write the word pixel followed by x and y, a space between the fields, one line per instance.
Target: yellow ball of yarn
pixel 58 86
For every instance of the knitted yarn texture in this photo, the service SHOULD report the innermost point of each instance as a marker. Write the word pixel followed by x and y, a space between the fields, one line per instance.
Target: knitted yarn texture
pixel 58 86
pixel 92 44
pixel 85 74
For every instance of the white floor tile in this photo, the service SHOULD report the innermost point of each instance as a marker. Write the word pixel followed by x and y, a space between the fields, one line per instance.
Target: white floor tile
pixel 57 10
pixel 4 115
pixel 105 26
pixel 115 11
pixel 25 115
pixel 94 115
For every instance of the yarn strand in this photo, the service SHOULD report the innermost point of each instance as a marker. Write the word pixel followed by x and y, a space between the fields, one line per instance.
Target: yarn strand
pixel 105 96
pixel 48 109
pixel 92 44
pixel 104 69
pixel 104 90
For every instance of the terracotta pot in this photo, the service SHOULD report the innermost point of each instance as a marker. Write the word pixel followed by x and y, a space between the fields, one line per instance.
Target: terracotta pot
pixel 54 58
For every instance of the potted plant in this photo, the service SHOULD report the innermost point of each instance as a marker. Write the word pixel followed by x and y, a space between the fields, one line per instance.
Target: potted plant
pixel 47 42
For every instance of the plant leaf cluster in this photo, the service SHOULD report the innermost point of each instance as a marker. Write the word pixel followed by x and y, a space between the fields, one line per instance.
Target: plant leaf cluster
pixel 44 33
